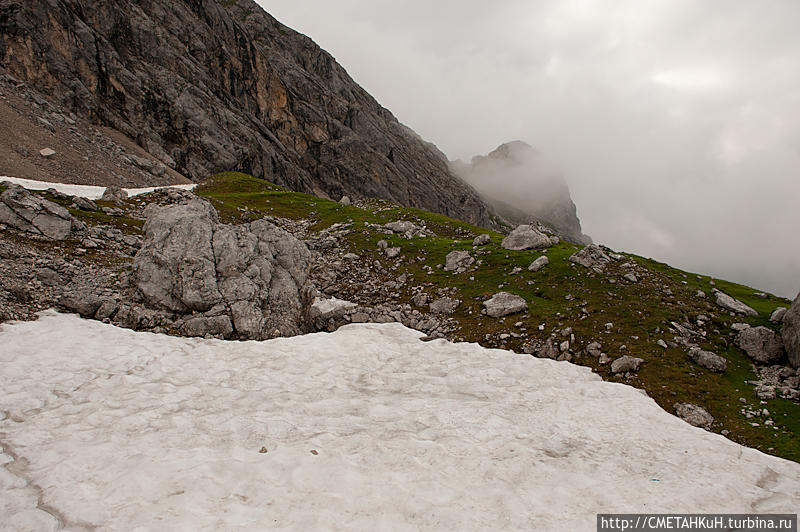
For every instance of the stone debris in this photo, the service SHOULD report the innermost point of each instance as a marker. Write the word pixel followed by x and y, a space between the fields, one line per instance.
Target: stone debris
pixel 481 240
pixel 592 257
pixel 458 261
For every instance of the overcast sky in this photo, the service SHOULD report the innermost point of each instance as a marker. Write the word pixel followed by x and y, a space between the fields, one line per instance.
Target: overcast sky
pixel 675 122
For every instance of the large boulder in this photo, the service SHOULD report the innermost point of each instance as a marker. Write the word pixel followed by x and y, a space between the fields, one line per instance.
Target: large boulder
pixel 503 304
pixel 734 305
pixel 761 344
pixel 592 257
pixel 32 214
pixel 526 237
pixel 189 263
pixel 791 332
pixel 538 264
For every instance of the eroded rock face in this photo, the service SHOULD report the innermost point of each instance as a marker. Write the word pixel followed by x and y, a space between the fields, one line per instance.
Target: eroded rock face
pixel 761 344
pixel 256 274
pixel 27 212
pixel 209 86
pixel 526 237
pixel 791 332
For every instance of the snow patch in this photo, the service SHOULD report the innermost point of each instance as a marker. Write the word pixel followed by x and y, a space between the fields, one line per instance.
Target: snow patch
pixel 366 428
pixel 85 191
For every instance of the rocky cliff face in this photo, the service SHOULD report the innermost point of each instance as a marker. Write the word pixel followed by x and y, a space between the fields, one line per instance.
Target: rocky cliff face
pixel 517 183
pixel 212 85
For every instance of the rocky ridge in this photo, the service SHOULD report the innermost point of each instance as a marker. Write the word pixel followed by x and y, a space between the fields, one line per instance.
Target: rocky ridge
pixel 209 86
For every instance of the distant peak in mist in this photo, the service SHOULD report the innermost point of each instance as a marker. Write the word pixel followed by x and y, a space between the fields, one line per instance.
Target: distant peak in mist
pixel 516 179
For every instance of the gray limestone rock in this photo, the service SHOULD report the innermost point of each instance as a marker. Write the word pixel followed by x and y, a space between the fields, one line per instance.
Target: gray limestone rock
pixel 538 264
pixel 202 326
pixel 458 261
pixel 594 349
pixel 694 415
pixel 526 237
pixel 708 360
pixel 209 86
pixel 402 226
pixel 727 302
pixel 777 315
pixel 444 305
pixel 29 213
pixel 626 363
pixel 503 304
pixel 481 240
pixel 761 344
pixel 190 262
pixel 592 257
pixel 791 332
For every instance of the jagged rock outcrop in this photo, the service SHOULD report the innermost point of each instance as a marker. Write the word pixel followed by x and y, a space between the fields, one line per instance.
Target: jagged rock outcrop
pixel 518 185
pixel 249 279
pixel 791 332
pixel 734 305
pixel 206 86
pixel 592 257
pixel 23 211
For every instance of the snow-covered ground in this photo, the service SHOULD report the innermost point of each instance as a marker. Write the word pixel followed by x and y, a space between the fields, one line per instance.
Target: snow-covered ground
pixel 86 191
pixel 367 428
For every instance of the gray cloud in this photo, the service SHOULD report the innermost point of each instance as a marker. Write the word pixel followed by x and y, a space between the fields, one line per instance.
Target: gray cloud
pixel 675 122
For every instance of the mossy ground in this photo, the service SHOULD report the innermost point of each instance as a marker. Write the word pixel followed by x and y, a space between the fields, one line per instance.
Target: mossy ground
pixel 636 310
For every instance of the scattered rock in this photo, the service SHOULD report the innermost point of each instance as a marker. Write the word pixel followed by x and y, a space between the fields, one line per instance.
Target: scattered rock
pixel 47 153
pixel 458 261
pixel 694 415
pixel 346 200
pixel 392 253
pixel 326 309
pixel 114 194
pixel 592 257
pixel 420 299
pixel 85 204
pixel 626 363
pixel 662 343
pixel 444 305
pixel 700 294
pixel 402 227
pixel 481 240
pixel 708 360
pixel 538 264
pixel 631 278
pixel 594 349
pixel 526 237
pixel 503 304
pixel 777 315
pixel 761 344
pixel 727 302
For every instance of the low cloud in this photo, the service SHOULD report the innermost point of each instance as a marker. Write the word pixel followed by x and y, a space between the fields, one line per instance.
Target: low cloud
pixel 673 121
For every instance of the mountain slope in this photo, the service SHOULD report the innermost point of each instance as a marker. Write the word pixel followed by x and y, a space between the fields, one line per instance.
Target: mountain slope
pixel 517 184
pixel 206 86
